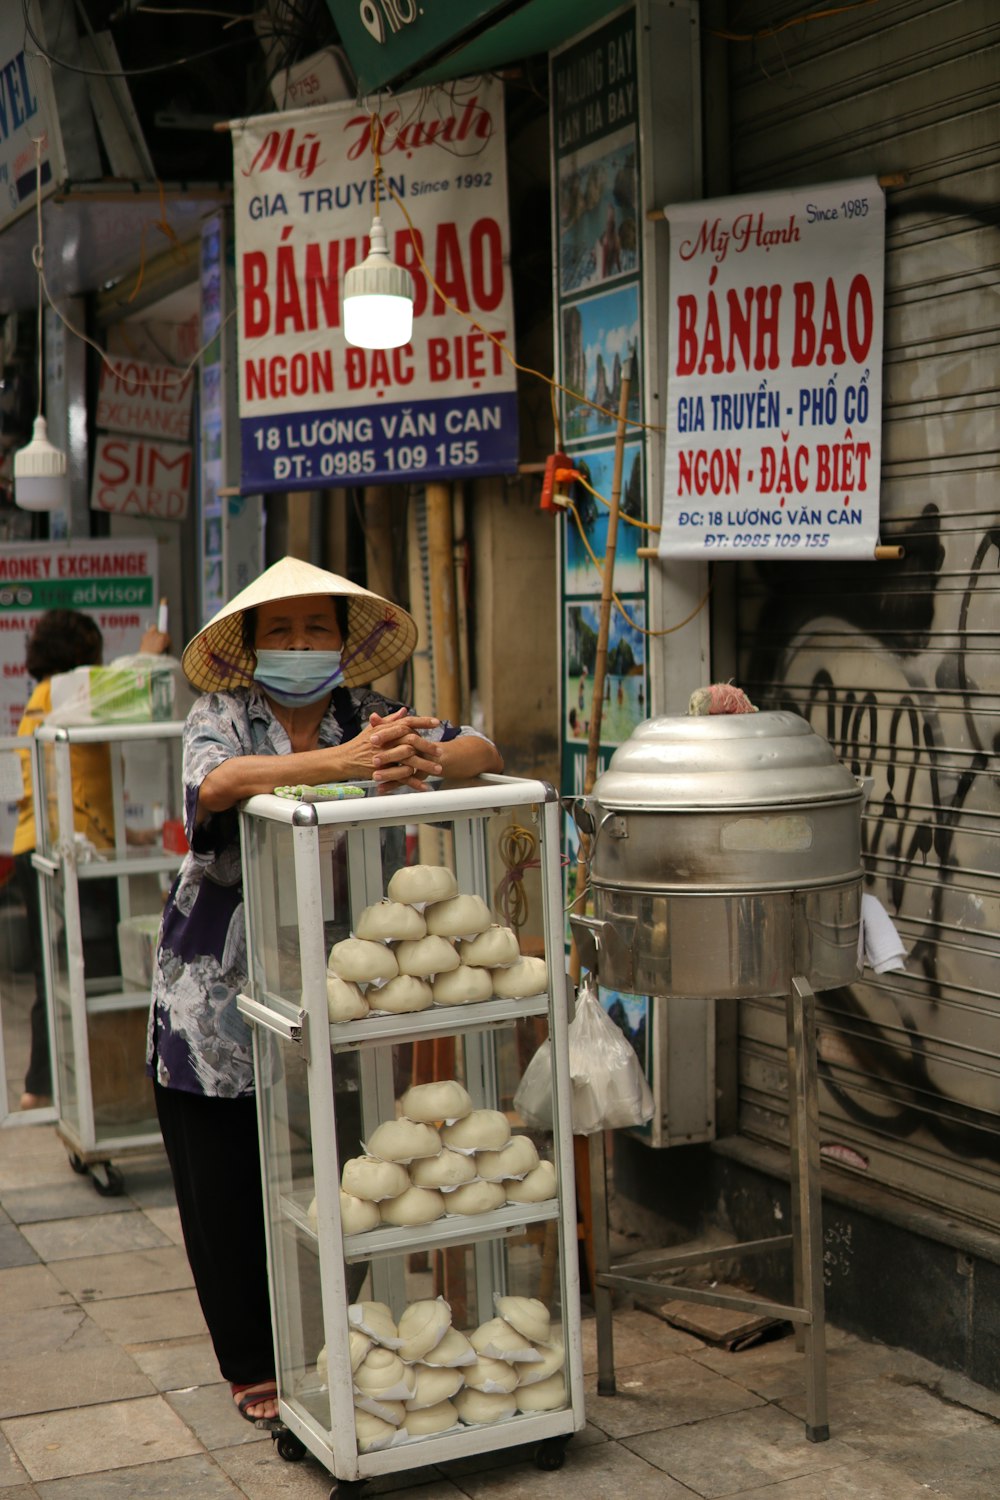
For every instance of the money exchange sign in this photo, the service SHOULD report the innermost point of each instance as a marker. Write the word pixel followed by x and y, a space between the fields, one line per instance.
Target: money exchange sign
pixel 774 381
pixel 315 410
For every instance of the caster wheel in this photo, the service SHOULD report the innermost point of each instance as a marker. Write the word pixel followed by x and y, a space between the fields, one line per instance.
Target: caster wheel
pixel 550 1455
pixel 112 1184
pixel 347 1489
pixel 79 1167
pixel 289 1447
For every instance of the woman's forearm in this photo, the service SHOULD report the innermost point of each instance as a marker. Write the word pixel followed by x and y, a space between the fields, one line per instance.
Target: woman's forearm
pixel 468 755
pixel 247 775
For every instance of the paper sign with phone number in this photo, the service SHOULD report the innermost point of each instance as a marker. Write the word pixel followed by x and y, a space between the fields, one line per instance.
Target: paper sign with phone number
pixel 774 380
pixel 315 410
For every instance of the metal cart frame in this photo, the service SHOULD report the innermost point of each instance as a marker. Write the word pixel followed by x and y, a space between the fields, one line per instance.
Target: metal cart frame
pixel 90 1151
pixel 307 1025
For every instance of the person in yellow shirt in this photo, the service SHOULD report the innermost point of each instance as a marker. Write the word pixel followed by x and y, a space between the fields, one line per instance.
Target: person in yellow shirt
pixel 61 640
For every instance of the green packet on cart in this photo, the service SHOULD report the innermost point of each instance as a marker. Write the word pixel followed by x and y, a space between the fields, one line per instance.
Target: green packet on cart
pixel 333 791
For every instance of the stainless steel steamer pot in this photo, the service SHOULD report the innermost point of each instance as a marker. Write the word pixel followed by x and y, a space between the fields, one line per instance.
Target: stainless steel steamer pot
pixel 725 859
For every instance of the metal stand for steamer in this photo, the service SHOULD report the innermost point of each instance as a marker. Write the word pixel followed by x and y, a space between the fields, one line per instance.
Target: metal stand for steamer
pixel 805 1241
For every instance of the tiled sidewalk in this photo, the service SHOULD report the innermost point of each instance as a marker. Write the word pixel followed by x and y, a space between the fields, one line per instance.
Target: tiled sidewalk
pixel 109 1389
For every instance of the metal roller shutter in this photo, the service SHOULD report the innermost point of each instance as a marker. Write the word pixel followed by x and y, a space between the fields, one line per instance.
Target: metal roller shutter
pixel 898 663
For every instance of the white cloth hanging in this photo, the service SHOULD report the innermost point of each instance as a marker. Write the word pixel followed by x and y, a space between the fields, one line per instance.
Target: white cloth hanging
pixel 879 944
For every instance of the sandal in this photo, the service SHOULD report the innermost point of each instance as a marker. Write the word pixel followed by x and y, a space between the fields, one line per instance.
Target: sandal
pixel 255 1394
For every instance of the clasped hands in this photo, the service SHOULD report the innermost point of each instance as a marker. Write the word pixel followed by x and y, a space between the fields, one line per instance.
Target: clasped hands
pixel 397 752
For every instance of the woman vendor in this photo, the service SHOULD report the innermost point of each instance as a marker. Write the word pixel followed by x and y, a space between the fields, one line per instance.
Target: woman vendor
pixel 282 669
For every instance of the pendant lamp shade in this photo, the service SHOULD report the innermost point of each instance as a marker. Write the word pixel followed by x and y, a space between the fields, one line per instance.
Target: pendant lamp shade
pixel 378 298
pixel 40 478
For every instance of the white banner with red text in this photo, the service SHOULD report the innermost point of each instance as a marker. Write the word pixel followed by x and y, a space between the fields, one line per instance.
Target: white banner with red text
pixel 315 410
pixel 774 381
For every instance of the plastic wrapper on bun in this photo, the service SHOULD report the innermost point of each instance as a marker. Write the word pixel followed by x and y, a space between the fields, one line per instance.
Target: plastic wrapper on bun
pixel 477 1407
pixel 434 1384
pixel 422 1326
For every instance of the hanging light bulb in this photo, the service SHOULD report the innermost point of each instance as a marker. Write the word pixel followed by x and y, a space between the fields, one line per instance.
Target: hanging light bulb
pixel 378 298
pixel 378 294
pixel 40 478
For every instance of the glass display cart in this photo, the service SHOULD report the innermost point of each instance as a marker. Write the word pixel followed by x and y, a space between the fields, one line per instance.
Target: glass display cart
pixel 422 1244
pixel 101 898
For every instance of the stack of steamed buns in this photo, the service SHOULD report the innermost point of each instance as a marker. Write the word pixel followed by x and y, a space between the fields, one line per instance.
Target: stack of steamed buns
pixel 423 1377
pixel 425 944
pixel 441 1157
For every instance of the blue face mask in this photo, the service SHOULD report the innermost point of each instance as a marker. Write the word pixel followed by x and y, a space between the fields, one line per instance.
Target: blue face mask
pixel 296 678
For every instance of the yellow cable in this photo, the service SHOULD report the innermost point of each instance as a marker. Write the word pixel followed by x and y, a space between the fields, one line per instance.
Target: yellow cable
pixel 629 520
pixel 669 629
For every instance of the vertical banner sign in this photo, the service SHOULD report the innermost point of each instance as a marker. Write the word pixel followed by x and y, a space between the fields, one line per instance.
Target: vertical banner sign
pixel 315 410
pixel 774 381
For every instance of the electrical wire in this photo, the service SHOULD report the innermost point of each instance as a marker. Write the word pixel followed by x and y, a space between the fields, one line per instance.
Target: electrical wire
pixel 175 62
pixel 629 520
pixel 38 259
pixel 498 342
pixel 769 31
pixel 669 629
pixel 177 378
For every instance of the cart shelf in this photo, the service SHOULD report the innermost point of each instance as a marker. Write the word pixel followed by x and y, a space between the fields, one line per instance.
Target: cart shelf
pixel 438 1020
pixel 452 1229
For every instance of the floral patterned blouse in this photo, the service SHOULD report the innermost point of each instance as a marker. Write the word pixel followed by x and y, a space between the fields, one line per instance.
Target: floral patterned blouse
pixel 197 1039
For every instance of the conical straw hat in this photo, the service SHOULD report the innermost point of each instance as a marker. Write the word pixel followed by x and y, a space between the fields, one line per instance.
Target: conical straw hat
pixel 380 635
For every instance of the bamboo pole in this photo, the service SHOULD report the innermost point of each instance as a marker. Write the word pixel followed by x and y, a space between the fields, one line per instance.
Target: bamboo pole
pixel 882 553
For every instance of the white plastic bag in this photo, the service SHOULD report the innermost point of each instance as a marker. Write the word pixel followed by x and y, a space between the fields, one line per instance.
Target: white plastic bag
pixel 533 1100
pixel 609 1090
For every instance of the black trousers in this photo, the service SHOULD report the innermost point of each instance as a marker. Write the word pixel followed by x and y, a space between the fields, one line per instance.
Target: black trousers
pixel 214 1157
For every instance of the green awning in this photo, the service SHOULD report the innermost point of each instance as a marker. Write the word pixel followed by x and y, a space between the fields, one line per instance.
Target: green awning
pixel 402 44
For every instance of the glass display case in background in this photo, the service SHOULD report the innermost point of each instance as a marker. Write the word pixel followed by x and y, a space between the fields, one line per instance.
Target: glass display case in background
pixel 101 898
pixel 499 1247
